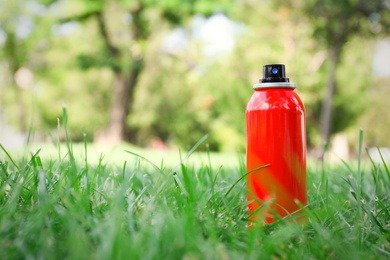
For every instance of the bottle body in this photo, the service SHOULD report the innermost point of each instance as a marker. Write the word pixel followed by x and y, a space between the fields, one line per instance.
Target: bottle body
pixel 276 136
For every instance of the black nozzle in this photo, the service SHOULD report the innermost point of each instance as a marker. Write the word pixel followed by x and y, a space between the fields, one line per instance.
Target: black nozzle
pixel 274 73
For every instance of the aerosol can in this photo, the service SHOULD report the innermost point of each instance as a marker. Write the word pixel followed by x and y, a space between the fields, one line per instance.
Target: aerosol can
pixel 276 148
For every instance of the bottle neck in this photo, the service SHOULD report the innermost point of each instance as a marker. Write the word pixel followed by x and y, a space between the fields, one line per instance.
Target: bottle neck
pixel 274 85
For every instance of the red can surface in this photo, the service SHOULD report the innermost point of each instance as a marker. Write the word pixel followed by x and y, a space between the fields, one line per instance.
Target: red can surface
pixel 276 136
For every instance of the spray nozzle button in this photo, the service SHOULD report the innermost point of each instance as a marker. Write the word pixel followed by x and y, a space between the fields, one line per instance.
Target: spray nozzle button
pixel 274 73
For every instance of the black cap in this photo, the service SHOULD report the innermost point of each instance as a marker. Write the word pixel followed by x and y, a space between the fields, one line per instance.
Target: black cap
pixel 274 73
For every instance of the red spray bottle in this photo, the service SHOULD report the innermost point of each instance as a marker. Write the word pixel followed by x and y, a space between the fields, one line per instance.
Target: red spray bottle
pixel 276 139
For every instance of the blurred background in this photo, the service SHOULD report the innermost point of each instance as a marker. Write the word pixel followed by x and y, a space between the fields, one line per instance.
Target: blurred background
pixel 162 74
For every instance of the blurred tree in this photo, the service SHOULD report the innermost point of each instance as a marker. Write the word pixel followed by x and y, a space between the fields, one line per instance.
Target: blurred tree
pixel 16 27
pixel 334 23
pixel 125 56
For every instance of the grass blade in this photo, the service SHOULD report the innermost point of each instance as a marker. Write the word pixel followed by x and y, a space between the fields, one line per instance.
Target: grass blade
pixel 190 152
pixel 243 176
pixel 9 157
pixel 359 192
pixel 145 159
pixel 384 163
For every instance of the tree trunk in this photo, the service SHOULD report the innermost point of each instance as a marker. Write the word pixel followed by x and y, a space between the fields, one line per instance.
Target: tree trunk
pixel 125 82
pixel 117 115
pixel 326 112
pixel 123 97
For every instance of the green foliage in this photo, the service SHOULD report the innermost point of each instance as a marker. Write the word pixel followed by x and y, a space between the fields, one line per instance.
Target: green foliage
pixel 86 93
pixel 173 116
pixel 184 96
pixel 201 103
pixel 213 93
pixel 376 118
pixel 334 22
pixel 354 82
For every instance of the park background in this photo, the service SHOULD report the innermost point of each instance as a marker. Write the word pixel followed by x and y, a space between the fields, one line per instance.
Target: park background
pixel 163 74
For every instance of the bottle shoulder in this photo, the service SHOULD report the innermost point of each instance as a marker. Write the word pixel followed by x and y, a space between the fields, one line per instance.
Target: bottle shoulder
pixel 265 99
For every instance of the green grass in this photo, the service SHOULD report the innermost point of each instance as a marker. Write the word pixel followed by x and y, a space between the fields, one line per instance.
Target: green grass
pixel 68 208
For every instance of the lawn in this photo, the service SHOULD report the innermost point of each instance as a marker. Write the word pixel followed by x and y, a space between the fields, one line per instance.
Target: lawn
pixel 72 202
